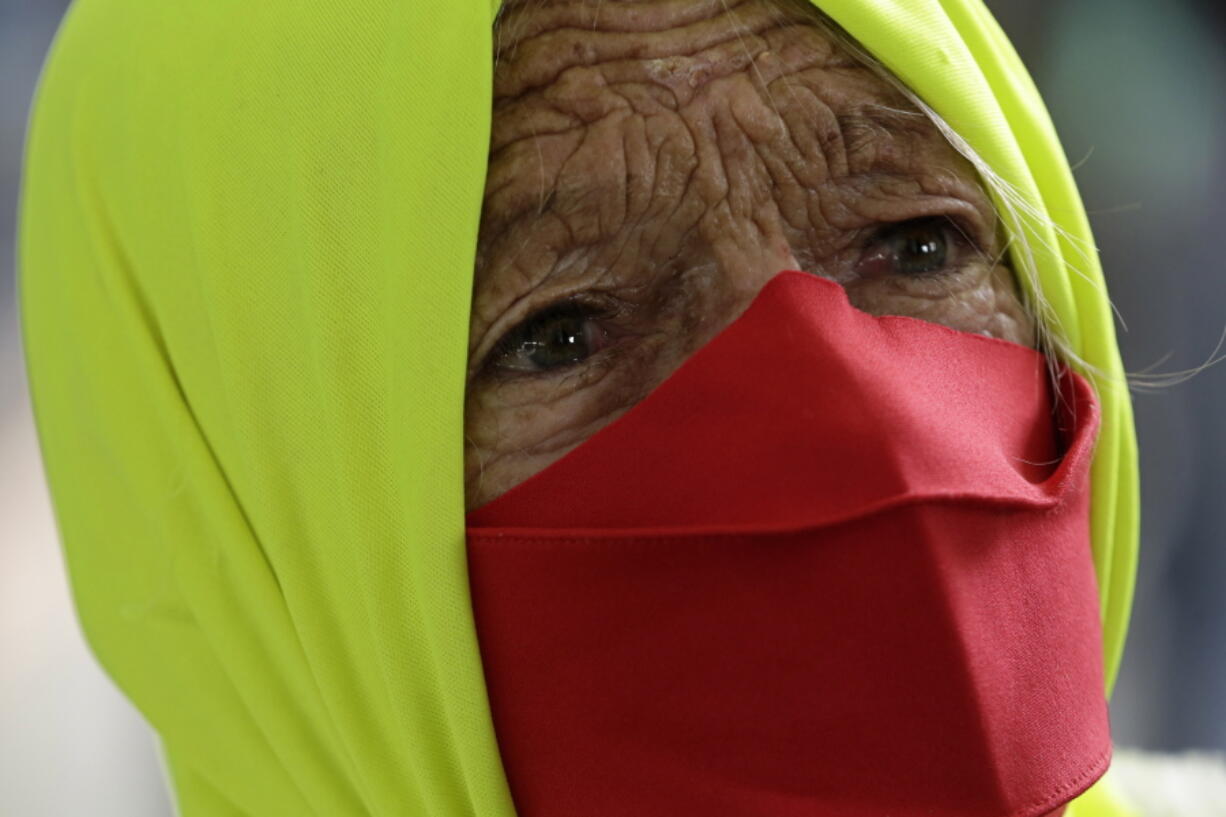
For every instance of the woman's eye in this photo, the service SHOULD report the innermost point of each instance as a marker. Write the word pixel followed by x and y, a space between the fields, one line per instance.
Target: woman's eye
pixel 557 337
pixel 919 247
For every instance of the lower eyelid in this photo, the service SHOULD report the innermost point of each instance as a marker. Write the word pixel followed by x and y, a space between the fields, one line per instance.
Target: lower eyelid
pixel 963 253
pixel 509 377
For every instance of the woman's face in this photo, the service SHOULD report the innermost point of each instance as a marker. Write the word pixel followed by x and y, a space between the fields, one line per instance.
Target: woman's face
pixel 652 165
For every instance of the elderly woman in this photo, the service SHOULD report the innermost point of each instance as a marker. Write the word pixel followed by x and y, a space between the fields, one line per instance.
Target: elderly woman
pixel 755 444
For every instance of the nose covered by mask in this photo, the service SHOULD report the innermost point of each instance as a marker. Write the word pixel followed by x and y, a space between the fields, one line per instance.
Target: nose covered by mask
pixel 836 565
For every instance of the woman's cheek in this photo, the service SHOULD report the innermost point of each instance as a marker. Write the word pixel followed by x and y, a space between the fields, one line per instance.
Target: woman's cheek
pixel 519 426
pixel 1010 318
pixel 980 298
pixel 505 444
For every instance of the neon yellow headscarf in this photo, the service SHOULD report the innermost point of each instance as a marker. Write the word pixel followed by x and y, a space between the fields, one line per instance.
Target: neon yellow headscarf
pixel 247 234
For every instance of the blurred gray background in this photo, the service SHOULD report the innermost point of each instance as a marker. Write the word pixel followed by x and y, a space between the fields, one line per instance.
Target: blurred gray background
pixel 1138 92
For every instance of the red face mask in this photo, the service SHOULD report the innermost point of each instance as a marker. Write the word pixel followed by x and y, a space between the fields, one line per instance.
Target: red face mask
pixel 834 566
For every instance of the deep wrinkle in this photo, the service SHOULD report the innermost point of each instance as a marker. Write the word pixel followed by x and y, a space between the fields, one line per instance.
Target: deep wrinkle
pixel 668 158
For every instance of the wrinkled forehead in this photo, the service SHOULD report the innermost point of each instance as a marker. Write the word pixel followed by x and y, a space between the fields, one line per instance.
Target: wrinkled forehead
pixel 689 74
pixel 535 40
pixel 523 17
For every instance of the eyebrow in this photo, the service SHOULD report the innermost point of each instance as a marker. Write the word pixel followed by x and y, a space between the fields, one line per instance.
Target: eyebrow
pixel 872 120
pixel 541 198
pixel 859 128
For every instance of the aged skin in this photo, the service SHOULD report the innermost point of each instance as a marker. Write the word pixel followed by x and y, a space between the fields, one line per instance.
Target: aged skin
pixel 653 164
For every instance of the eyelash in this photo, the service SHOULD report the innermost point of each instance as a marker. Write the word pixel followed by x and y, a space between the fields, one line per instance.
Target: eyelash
pixel 958 241
pixel 575 306
pixel 589 306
